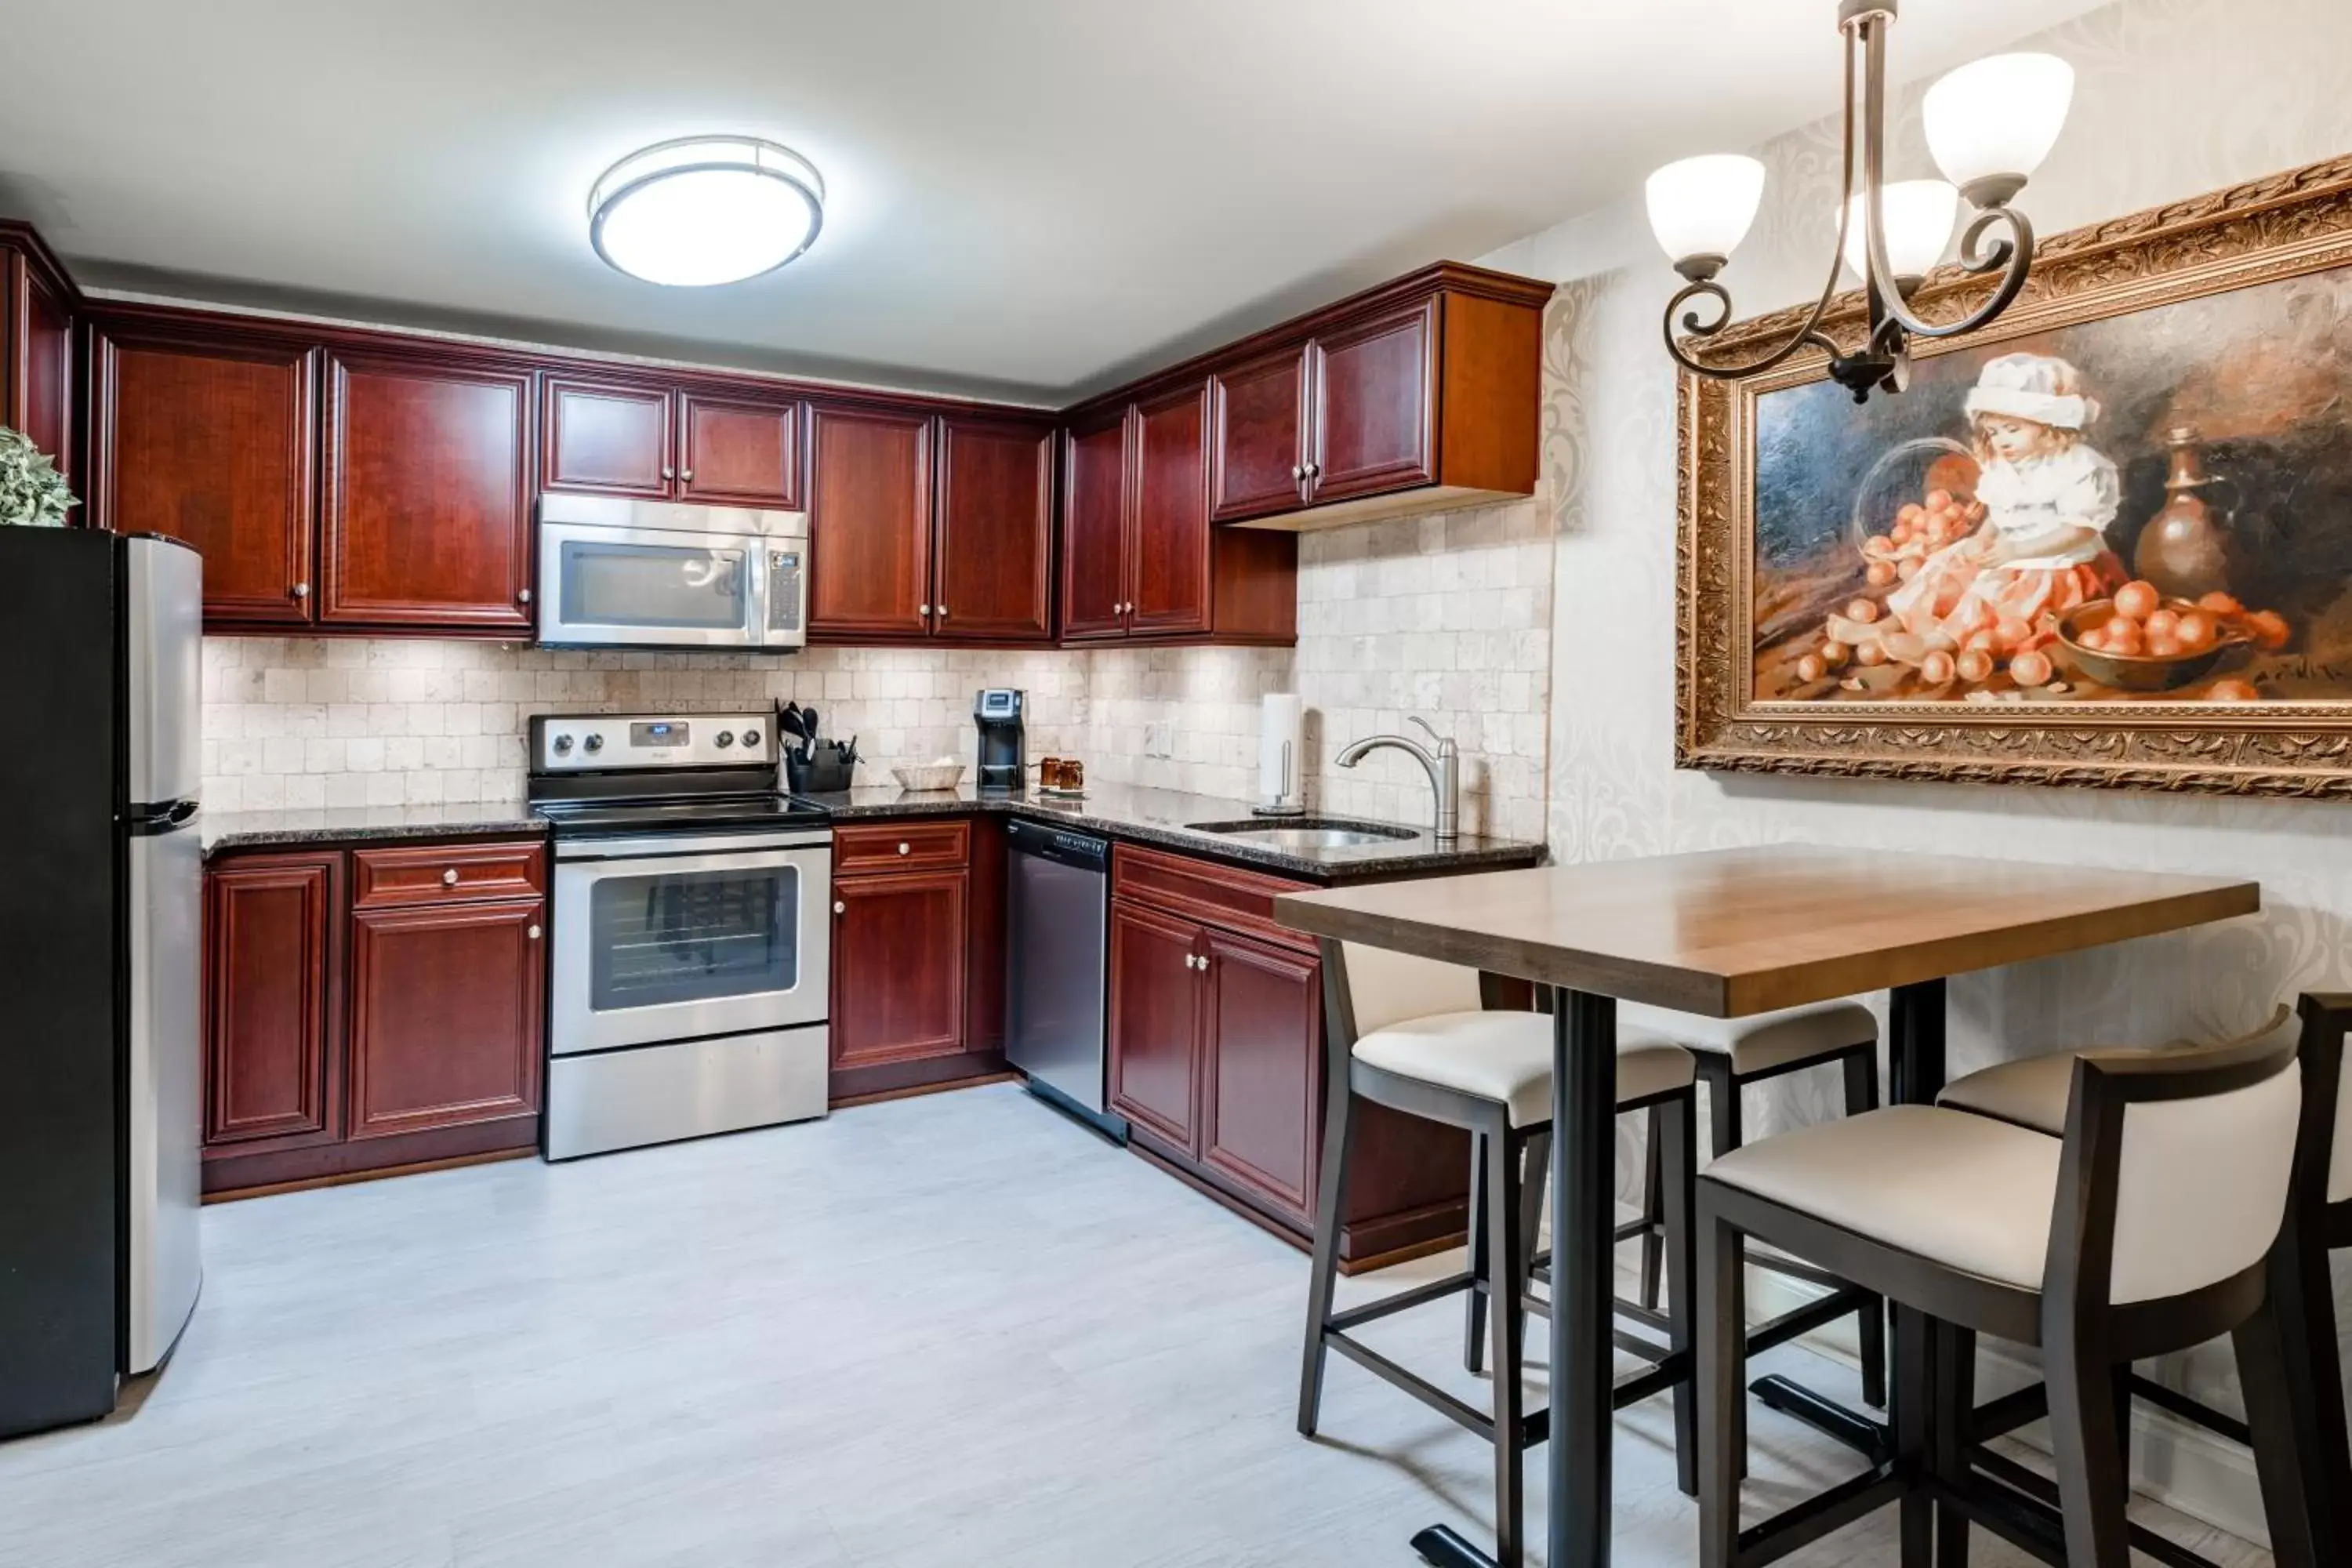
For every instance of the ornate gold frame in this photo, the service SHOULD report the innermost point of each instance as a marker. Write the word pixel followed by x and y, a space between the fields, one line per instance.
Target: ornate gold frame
pixel 2282 226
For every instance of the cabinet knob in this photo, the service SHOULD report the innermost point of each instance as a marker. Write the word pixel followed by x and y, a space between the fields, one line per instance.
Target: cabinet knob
pixel 532 934
pixel 943 612
pixel 523 597
pixel 301 590
pixel 905 848
pixel 1297 471
pixel 449 877
pixel 1314 470
pixel 839 908
pixel 686 474
pixel 667 472
pixel 922 609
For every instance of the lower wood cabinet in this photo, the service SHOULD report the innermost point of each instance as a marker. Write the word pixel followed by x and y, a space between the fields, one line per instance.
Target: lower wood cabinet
pixel 1216 1061
pixel 372 1008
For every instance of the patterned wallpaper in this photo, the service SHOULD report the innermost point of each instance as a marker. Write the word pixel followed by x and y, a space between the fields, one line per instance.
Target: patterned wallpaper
pixel 2175 97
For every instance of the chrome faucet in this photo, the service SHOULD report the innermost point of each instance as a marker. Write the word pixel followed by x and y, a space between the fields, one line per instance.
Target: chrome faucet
pixel 1444 766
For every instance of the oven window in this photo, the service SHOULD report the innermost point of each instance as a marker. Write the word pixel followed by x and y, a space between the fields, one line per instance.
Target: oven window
pixel 693 936
pixel 652 585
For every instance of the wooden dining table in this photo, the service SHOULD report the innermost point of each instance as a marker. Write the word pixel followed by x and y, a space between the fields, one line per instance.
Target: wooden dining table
pixel 1724 934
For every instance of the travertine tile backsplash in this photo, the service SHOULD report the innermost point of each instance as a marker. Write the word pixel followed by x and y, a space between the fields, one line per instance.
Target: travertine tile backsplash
pixel 1442 616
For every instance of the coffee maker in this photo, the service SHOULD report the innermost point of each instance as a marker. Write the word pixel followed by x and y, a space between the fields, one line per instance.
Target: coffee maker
pixel 1003 761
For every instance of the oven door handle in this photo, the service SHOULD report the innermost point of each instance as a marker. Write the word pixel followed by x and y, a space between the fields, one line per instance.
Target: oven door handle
pixel 676 846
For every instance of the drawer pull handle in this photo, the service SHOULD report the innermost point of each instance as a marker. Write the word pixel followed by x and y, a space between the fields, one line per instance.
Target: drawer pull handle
pixel 905 848
pixel 449 877
pixel 534 934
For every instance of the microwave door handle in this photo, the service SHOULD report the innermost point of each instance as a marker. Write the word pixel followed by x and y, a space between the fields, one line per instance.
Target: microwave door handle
pixel 756 562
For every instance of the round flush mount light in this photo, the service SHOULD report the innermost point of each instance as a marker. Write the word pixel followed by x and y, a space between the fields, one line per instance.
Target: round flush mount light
pixel 706 209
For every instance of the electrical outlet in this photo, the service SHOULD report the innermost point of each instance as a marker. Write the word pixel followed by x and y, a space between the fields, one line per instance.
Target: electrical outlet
pixel 1158 739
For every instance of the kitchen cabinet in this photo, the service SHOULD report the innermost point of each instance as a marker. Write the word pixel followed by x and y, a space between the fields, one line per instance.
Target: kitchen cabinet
pixel 729 446
pixel 38 307
pixel 1139 559
pixel 1216 1061
pixel 427 493
pixel 928 527
pixel 208 435
pixel 1261 435
pixel 992 555
pixel 271 932
pixel 898 968
pixel 372 1008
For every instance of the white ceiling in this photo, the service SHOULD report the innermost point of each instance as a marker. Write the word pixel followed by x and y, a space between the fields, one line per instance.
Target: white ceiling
pixel 1029 198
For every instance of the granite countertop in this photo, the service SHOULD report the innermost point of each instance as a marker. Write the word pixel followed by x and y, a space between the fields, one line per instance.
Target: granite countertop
pixel 343 824
pixel 1157 816
pixel 1165 817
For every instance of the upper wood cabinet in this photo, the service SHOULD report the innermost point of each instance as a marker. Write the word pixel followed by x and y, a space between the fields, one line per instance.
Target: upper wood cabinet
pixel 992 560
pixel 37 306
pixel 1260 453
pixel 737 447
pixel 1139 557
pixel 427 497
pixel 1373 415
pixel 208 436
pixel 928 526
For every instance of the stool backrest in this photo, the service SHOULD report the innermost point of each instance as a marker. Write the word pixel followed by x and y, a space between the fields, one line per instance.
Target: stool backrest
pixel 1385 987
pixel 2175 1171
pixel 2325 1019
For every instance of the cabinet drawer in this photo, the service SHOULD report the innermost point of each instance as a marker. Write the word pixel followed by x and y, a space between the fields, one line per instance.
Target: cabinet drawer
pixel 447 873
pixel 1206 891
pixel 877 848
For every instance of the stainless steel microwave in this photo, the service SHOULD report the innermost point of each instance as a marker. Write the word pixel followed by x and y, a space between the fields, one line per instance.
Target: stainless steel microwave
pixel 615 572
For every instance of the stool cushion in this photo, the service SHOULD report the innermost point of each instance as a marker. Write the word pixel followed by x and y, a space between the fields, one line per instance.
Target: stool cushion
pixel 2033 1092
pixel 1968 1193
pixel 1506 1056
pixel 1763 1041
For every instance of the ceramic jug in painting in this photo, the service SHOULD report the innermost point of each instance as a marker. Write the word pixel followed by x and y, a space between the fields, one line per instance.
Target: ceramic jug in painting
pixel 2185 548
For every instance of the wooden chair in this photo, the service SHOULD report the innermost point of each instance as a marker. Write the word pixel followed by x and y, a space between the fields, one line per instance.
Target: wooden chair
pixel 2148 1227
pixel 1733 1053
pixel 1417 1036
pixel 2034 1093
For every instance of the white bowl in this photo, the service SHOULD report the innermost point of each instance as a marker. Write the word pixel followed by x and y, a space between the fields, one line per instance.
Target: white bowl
pixel 936 776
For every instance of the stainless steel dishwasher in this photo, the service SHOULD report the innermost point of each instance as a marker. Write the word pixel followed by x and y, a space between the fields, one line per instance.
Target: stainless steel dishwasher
pixel 1056 1026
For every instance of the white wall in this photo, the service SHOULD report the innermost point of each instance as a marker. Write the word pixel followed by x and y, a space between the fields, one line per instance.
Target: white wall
pixel 2176 97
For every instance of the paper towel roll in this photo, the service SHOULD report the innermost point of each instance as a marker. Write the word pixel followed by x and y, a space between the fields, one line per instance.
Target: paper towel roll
pixel 1281 752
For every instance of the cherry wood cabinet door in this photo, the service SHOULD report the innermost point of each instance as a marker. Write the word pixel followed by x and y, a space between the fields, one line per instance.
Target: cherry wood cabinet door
pixel 1373 390
pixel 1095 518
pixel 36 355
pixel 1168 588
pixel 1258 436
pixel 208 437
pixel 1259 1080
pixel 991 576
pixel 427 496
pixel 869 522
pixel 611 437
pixel 446 1015
pixel 1155 1022
pixel 898 947
pixel 736 451
pixel 271 984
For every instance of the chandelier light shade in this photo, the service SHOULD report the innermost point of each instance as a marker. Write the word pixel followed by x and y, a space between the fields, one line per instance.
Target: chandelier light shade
pixel 1990 125
pixel 1996 121
pixel 1701 208
pixel 704 210
pixel 1919 216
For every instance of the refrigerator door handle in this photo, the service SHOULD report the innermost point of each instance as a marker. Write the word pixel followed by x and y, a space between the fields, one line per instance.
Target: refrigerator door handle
pixel 152 819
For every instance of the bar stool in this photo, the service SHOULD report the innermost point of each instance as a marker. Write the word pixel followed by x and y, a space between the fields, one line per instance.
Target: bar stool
pixel 2146 1230
pixel 1733 1053
pixel 2033 1093
pixel 1417 1036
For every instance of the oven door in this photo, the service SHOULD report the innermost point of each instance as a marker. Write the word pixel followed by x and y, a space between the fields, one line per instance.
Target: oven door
pixel 651 587
pixel 677 937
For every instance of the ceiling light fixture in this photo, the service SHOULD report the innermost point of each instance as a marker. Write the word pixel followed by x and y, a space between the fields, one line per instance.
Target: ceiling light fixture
pixel 1990 125
pixel 706 209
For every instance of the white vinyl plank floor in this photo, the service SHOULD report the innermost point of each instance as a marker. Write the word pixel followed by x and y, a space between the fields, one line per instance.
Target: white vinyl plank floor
pixel 955 1331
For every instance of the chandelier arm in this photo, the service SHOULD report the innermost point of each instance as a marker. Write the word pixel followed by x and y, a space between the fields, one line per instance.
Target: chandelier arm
pixel 1809 334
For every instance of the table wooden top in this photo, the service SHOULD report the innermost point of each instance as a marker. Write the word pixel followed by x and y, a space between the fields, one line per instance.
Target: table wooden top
pixel 1730 932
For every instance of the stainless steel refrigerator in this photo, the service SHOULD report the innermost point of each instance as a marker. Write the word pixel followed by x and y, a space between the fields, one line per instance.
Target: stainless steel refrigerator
pixel 102 1036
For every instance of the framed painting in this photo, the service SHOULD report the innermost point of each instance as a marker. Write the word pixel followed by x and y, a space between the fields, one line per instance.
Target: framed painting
pixel 2105 542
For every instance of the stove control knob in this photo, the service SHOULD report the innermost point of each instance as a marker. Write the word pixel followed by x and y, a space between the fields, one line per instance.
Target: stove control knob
pixel 593 742
pixel 750 737
pixel 726 739
pixel 563 745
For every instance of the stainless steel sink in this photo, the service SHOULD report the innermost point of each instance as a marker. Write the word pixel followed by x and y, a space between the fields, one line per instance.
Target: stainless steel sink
pixel 1309 834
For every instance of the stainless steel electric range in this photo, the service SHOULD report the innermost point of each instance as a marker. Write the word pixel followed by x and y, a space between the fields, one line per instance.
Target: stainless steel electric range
pixel 691 930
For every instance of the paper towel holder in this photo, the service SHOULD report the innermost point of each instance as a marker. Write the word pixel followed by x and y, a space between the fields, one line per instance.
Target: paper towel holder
pixel 1290 800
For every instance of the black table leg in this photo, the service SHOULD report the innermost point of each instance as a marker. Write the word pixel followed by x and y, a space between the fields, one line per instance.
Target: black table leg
pixel 1584 1275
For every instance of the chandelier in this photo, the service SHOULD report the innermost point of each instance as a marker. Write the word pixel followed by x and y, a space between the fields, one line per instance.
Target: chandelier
pixel 1990 125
